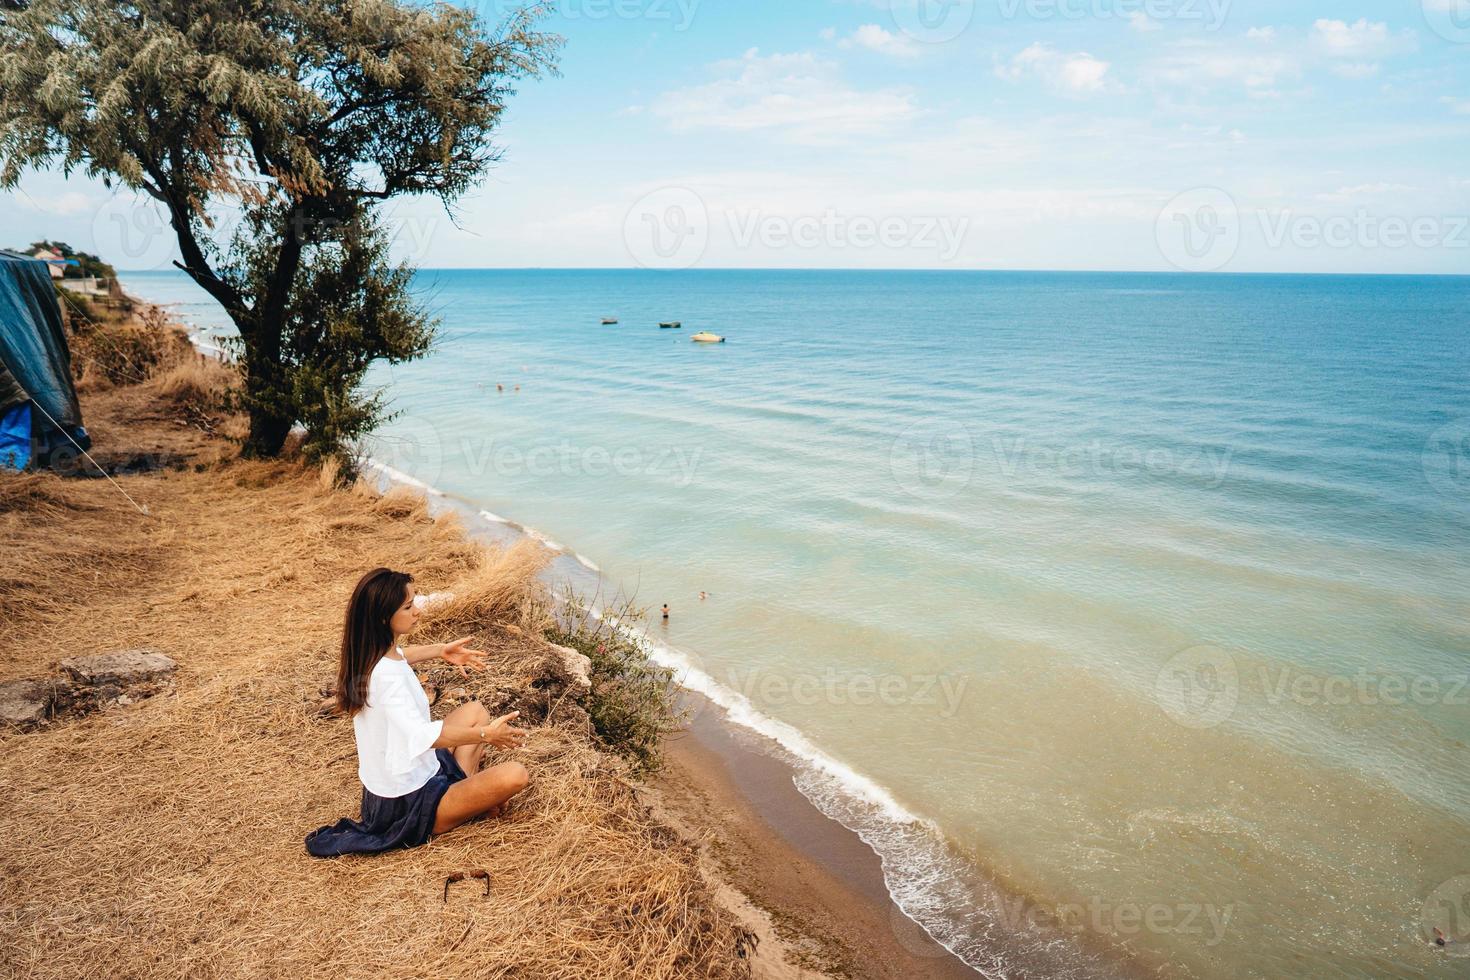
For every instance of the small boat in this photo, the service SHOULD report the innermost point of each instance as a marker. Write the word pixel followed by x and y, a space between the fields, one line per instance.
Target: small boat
pixel 705 337
pixel 670 325
pixel 608 321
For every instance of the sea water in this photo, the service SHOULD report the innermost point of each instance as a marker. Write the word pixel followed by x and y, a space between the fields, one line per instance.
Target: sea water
pixel 1127 616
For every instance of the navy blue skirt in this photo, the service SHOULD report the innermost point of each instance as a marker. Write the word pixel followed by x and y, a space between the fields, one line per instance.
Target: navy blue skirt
pixel 388 822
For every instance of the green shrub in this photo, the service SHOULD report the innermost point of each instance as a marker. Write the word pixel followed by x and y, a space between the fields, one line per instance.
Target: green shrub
pixel 634 702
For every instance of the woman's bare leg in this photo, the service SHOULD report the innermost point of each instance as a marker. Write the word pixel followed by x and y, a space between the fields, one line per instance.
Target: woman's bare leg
pixel 469 756
pixel 480 793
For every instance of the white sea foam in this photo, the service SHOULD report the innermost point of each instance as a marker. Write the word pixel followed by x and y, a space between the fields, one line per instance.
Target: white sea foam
pixel 494 518
pixel 398 476
pixel 740 711
pixel 531 532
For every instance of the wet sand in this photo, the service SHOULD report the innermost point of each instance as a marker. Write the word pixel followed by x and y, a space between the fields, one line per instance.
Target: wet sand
pixel 816 884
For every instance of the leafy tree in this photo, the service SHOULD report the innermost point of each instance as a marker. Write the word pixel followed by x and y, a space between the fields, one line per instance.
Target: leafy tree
pixel 305 115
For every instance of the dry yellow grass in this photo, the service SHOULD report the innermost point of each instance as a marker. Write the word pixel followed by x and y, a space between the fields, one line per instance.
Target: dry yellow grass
pixel 165 838
pixel 192 380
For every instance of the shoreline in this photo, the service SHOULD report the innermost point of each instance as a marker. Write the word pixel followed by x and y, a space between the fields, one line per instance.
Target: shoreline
pixel 817 883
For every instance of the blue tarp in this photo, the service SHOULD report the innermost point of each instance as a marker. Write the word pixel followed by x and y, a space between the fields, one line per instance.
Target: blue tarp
pixel 15 437
pixel 35 362
pixel 32 342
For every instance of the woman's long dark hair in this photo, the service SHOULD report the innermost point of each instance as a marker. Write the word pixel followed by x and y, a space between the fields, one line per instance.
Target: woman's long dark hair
pixel 366 635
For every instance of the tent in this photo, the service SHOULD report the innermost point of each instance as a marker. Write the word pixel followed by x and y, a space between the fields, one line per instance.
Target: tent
pixel 38 403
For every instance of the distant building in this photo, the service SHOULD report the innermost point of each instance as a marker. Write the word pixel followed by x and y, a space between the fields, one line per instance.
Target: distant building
pixel 55 261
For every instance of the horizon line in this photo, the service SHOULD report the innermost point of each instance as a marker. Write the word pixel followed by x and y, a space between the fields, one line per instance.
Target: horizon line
pixel 1118 272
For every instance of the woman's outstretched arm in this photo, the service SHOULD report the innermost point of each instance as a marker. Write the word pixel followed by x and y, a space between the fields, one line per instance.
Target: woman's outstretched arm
pixel 455 653
pixel 424 651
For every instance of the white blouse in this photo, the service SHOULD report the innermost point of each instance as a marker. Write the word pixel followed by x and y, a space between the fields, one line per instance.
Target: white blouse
pixel 395 738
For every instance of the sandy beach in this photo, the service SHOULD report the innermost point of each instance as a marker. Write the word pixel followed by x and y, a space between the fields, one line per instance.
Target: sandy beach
pixel 815 880
pixel 163 834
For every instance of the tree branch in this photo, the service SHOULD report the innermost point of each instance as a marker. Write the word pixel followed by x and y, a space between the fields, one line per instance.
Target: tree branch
pixel 195 263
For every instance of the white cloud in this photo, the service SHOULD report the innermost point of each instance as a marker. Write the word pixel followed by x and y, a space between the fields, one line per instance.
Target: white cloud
pixel 872 37
pixel 1360 40
pixel 1143 23
pixel 63 203
pixel 799 94
pixel 1360 192
pixel 1077 74
pixel 1460 107
pixel 1266 58
pixel 1354 49
pixel 1192 64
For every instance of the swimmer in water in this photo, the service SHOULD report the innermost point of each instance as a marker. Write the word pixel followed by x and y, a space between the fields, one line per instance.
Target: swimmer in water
pixel 1440 939
pixel 500 387
pixel 703 596
pixel 666 610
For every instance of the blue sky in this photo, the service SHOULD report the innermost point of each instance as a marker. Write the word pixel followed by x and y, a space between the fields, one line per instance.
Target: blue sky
pixel 1047 134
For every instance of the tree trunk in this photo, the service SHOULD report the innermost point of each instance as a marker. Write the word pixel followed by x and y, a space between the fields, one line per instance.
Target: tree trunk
pixel 267 434
pixel 268 428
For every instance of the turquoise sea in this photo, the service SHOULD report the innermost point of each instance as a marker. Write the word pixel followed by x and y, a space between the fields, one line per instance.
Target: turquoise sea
pixel 1127 616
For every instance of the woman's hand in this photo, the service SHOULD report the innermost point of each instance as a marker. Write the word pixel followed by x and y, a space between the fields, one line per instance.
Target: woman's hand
pixel 500 734
pixel 455 653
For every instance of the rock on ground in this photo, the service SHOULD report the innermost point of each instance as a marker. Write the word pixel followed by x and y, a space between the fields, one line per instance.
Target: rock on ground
pixel 124 667
pixel 576 667
pixel 25 703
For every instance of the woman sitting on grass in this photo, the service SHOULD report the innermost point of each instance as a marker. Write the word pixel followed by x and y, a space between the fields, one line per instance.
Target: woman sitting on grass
pixel 412 784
